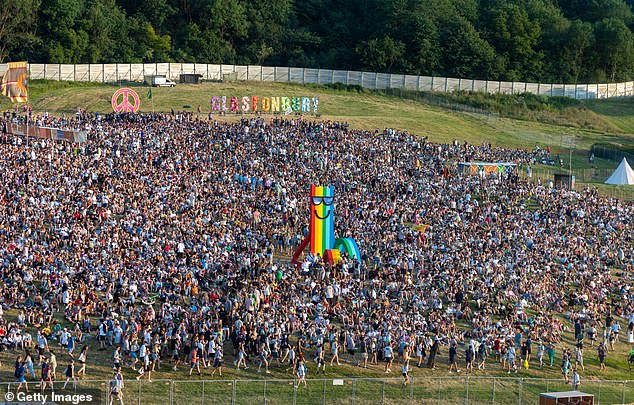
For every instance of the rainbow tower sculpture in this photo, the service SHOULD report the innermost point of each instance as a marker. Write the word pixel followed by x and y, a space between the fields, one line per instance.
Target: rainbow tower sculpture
pixel 321 234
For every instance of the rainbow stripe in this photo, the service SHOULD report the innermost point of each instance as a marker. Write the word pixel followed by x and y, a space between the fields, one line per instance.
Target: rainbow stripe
pixel 348 245
pixel 322 219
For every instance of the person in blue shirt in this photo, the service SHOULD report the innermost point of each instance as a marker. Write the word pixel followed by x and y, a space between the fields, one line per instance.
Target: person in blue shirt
pixel 518 338
pixel 301 372
pixel 20 370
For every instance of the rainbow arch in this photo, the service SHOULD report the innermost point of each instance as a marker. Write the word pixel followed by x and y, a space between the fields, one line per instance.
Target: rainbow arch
pixel 348 245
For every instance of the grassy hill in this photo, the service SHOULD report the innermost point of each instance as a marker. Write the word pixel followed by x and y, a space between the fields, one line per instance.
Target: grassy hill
pixel 521 121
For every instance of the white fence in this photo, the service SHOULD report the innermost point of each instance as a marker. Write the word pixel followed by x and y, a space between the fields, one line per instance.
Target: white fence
pixel 467 390
pixel 134 72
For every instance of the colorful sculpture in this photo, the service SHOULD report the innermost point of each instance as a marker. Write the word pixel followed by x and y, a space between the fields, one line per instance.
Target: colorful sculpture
pixel 321 234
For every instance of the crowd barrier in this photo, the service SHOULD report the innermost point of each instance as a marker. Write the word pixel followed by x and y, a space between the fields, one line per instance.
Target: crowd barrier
pixel 422 390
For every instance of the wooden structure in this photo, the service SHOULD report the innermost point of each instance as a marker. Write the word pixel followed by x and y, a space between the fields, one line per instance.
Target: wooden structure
pixel 566 398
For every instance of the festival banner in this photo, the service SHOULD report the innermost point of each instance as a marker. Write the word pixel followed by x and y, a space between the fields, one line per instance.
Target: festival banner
pixel 253 104
pixel 14 84
pixel 48 133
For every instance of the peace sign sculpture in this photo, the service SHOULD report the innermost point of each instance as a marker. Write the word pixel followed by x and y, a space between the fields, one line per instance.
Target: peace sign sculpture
pixel 125 105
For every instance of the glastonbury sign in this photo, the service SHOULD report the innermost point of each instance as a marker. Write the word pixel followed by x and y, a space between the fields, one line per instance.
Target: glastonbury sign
pixel 287 105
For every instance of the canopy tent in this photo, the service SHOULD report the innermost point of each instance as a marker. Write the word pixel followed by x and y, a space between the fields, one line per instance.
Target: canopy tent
pixel 622 175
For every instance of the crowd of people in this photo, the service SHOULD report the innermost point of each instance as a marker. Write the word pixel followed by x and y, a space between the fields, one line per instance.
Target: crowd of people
pixel 165 240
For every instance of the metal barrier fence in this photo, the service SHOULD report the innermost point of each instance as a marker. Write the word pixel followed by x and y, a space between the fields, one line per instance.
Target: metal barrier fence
pixel 425 390
pixel 135 72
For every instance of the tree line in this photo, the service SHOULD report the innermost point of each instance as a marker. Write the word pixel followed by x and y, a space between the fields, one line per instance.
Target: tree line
pixel 521 40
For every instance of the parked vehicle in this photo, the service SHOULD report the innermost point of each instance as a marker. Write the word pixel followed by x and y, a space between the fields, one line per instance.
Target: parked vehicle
pixel 161 81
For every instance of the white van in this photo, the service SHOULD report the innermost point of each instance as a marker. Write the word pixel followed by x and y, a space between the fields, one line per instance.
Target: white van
pixel 158 81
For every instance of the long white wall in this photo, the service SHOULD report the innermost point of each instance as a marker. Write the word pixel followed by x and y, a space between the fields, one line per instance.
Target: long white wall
pixel 110 73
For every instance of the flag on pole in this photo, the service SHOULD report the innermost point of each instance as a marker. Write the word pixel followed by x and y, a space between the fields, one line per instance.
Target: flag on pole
pixel 149 94
pixel 14 84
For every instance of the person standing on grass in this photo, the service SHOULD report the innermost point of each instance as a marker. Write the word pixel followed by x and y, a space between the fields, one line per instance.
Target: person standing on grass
pixel 241 357
pixel 601 355
pixel 469 359
pixel 301 372
pixel 452 357
pixel 134 353
pixel 53 363
pixel 540 353
pixel 285 347
pixel 42 345
pixel 116 387
pixel 292 359
pixel 565 368
pixel 405 372
pixel 103 332
pixel 176 359
pixel 483 353
pixel 350 347
pixel 419 351
pixel 274 345
pixel 388 353
pixel 431 361
pixel 611 339
pixel 510 359
pixel 576 381
pixel 529 348
pixel 20 371
pixel 70 374
pixel 551 353
pixel 146 368
pixel 364 353
pixel 375 351
pixel 71 344
pixel 46 375
pixel 334 350
pixel 116 358
pixel 28 361
pixel 320 359
pixel 616 330
pixel 194 361
pixel 263 359
pixel 579 358
pixel 82 361
pixel 218 361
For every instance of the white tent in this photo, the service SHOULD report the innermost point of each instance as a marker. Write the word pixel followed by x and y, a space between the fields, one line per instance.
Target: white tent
pixel 622 175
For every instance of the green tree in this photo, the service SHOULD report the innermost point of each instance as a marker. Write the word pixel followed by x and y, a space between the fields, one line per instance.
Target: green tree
pixel 614 48
pixel 465 53
pixel 65 43
pixel 380 54
pixel 18 23
pixel 268 22
pixel 515 37
pixel 577 42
